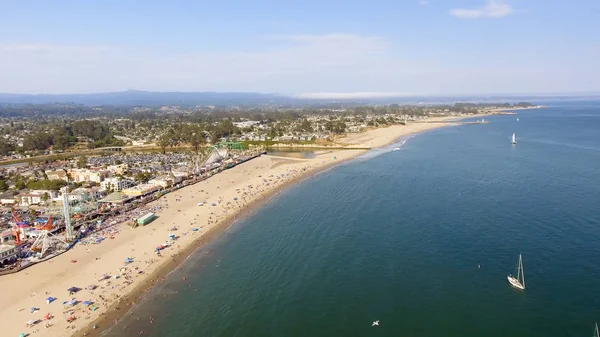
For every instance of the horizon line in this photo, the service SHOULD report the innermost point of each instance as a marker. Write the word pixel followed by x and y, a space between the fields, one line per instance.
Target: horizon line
pixel 322 95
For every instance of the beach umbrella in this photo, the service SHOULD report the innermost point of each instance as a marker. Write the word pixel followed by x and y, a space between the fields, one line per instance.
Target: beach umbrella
pixel 235 198
pixel 47 317
pixel 50 300
pixel 86 303
pixel 214 204
pixel 73 289
pixel 21 335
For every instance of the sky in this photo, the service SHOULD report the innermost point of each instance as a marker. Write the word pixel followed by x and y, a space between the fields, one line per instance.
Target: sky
pixel 309 48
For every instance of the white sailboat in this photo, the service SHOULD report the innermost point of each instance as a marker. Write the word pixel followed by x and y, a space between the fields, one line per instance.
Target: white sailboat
pixel 517 119
pixel 518 281
pixel 514 139
pixel 596 333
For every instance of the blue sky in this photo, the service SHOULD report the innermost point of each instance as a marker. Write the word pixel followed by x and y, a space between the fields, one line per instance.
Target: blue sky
pixel 301 47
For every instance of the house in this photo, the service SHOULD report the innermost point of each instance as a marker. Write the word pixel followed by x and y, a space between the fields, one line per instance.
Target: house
pixel 57 175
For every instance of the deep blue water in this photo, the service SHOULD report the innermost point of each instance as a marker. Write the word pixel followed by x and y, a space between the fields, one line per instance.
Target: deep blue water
pixel 398 236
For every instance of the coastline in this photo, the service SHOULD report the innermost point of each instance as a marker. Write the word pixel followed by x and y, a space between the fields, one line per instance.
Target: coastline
pixel 127 296
pixel 116 311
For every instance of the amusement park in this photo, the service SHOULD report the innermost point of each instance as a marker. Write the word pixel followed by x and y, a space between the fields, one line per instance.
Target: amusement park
pixel 37 234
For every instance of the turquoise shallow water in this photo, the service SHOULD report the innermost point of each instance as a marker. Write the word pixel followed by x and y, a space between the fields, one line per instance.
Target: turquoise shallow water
pixel 398 236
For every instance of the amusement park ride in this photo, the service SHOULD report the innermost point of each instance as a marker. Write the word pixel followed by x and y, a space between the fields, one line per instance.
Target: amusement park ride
pixel 45 238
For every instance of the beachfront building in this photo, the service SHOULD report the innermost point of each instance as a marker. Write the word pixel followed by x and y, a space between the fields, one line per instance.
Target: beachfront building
pixel 115 184
pixel 115 199
pixel 179 176
pixel 85 175
pixel 140 190
pixel 8 254
pixel 162 181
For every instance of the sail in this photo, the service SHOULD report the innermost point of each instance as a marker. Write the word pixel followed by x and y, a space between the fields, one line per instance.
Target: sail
pixel 514 138
pixel 596 333
pixel 518 281
pixel 522 272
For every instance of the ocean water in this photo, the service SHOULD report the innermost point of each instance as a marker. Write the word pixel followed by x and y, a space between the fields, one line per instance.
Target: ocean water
pixel 397 236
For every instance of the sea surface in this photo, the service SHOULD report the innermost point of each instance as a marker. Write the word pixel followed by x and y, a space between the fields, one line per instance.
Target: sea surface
pixel 421 239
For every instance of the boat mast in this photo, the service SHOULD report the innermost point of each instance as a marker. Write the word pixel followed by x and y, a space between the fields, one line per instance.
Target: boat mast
pixel 522 272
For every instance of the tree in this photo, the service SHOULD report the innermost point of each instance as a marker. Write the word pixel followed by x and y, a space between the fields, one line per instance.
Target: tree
pixel 305 126
pixel 54 185
pixel 3 185
pixel 142 177
pixel 6 148
pixel 164 141
pixel 82 162
pixel 45 197
pixel 20 184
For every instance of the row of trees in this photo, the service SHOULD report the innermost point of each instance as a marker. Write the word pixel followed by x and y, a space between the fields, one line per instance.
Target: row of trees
pixel 195 134
pixel 95 132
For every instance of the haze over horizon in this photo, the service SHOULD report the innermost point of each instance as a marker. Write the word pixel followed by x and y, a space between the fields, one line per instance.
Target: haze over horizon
pixel 310 49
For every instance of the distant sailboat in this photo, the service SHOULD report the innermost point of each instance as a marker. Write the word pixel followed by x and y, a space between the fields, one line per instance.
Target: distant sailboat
pixel 519 281
pixel 596 333
pixel 396 149
pixel 517 119
pixel 514 139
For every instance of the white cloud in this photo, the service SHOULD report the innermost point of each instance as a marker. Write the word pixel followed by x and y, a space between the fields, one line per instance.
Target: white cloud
pixel 351 95
pixel 492 9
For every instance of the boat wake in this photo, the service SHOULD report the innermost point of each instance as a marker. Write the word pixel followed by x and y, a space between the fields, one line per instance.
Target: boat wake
pixel 397 146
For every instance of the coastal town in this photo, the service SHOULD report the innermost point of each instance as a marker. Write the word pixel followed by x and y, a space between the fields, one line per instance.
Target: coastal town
pixel 111 219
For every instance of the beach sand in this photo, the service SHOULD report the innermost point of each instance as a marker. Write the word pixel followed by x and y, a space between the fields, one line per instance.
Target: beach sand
pixel 233 192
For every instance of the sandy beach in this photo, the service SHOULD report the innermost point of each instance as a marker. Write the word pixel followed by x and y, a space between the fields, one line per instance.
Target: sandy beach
pixel 224 197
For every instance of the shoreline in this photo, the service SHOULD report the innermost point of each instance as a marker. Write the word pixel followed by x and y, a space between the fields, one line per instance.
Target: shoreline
pixel 116 311
pixel 291 172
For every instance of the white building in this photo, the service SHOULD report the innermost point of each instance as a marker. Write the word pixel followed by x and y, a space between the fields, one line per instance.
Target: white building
pixel 85 175
pixel 27 199
pixel 8 254
pixel 56 175
pixel 116 184
pixel 163 181
pixel 117 168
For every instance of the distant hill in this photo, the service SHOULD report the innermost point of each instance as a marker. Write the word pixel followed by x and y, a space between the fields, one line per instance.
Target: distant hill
pixel 148 98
